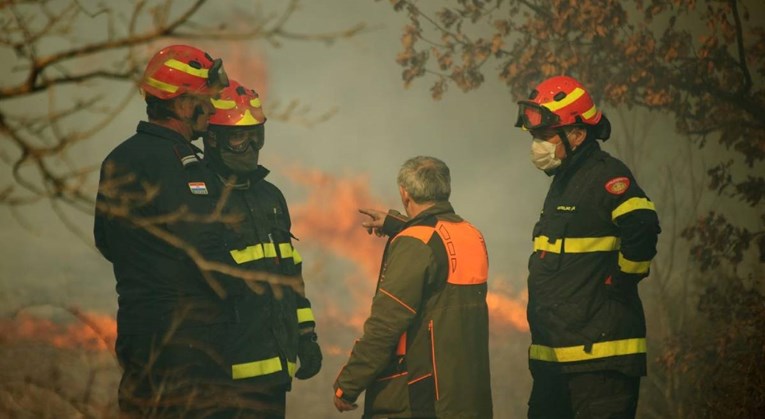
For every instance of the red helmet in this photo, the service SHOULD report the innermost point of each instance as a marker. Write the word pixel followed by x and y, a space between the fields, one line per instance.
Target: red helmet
pixel 180 69
pixel 237 106
pixel 557 102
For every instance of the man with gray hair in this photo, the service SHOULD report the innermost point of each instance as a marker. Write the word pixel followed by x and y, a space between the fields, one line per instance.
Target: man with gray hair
pixel 425 348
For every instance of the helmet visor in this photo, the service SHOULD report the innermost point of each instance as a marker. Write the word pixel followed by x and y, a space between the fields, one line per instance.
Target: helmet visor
pixel 534 116
pixel 216 77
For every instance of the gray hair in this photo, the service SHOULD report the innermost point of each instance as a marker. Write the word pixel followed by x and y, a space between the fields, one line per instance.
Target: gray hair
pixel 425 179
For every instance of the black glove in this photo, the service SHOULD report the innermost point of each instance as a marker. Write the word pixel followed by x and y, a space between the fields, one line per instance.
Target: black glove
pixel 310 357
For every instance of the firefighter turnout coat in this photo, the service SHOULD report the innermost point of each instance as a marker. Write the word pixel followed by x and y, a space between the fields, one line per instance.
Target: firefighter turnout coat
pixel 424 351
pixel 593 243
pixel 263 342
pixel 153 193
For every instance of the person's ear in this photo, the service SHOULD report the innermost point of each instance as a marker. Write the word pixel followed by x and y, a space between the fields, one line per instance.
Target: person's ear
pixel 405 198
pixel 183 106
pixel 576 136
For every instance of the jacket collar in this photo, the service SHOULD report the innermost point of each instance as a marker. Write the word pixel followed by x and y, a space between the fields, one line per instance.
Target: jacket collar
pixel 164 133
pixel 443 207
pixel 577 159
pixel 244 181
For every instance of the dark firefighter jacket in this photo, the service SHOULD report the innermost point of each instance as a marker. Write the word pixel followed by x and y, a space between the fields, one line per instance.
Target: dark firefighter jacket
pixel 425 347
pixel 592 244
pixel 154 195
pixel 263 342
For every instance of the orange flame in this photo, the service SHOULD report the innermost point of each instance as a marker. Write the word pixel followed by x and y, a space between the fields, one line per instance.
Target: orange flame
pixel 330 217
pixel 94 332
pixel 506 311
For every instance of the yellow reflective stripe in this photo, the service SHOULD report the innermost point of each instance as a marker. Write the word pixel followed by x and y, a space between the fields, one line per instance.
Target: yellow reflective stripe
pixel 255 103
pixel 269 250
pixel 285 250
pixel 633 267
pixel 577 244
pixel 161 85
pixel 248 119
pixel 265 250
pixel 291 368
pixel 543 243
pixel 630 205
pixel 296 256
pixel 223 104
pixel 254 252
pixel 590 112
pixel 577 353
pixel 305 315
pixel 569 99
pixel 248 254
pixel 181 66
pixel 257 368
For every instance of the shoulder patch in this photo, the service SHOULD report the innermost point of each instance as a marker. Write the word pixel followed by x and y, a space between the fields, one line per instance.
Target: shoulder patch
pixel 618 185
pixel 198 188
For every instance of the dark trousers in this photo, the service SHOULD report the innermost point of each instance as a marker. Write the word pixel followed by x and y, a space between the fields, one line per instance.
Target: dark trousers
pixel 182 374
pixel 253 402
pixel 170 373
pixel 595 395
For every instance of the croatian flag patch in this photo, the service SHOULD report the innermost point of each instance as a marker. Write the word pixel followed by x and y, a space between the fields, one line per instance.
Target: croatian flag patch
pixel 198 188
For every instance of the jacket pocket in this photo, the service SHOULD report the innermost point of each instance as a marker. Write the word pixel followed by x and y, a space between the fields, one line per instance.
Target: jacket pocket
pixel 549 243
pixel 422 395
pixel 388 396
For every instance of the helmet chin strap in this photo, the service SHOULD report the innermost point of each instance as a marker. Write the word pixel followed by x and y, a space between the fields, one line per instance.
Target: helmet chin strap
pixel 569 151
pixel 198 111
pixel 564 139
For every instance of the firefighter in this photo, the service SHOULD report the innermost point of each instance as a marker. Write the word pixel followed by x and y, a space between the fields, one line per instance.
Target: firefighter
pixel 425 347
pixel 271 331
pixel 593 243
pixel 153 190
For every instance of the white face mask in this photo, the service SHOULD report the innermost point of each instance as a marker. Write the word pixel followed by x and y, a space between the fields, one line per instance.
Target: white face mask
pixel 543 155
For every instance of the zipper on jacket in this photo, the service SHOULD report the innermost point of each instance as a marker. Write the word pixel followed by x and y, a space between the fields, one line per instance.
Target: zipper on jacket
pixel 433 356
pixel 278 257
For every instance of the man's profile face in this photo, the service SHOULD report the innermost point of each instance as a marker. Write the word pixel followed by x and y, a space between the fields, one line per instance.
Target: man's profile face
pixel 200 109
pixel 552 137
pixel 575 137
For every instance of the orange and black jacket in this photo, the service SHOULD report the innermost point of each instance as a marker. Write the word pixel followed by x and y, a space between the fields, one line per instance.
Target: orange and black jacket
pixel 262 343
pixel 593 243
pixel 425 347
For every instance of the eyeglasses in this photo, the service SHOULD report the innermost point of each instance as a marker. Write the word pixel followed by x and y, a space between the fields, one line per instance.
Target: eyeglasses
pixel 533 116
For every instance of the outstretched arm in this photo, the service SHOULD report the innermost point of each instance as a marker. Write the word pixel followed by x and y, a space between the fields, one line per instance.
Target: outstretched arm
pixel 383 223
